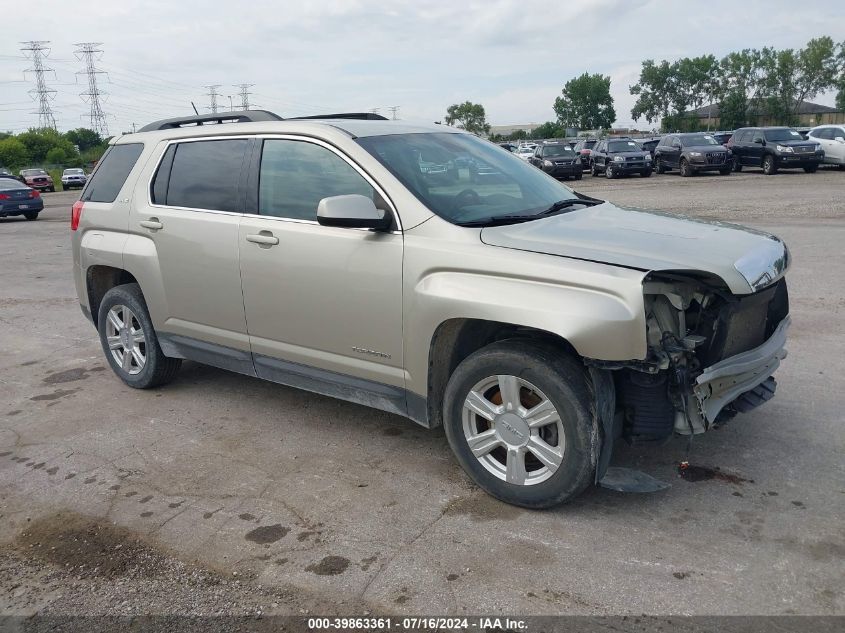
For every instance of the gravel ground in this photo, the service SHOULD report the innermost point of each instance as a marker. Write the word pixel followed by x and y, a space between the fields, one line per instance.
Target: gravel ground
pixel 226 495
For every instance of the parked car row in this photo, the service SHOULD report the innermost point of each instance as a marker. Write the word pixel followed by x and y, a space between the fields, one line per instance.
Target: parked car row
pixel 769 148
pixel 39 179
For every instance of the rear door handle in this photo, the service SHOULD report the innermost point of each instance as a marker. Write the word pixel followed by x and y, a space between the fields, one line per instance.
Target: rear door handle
pixel 265 238
pixel 153 224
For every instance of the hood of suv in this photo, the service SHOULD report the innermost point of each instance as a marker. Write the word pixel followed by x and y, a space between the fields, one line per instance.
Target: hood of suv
pixel 746 260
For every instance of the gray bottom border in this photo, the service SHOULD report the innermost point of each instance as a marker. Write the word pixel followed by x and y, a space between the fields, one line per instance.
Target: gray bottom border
pixel 488 624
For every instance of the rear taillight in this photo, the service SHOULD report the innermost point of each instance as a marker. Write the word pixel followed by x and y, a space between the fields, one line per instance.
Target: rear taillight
pixel 4 196
pixel 34 194
pixel 75 214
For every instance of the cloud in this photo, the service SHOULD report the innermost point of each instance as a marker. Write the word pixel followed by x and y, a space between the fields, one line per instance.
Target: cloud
pixel 512 56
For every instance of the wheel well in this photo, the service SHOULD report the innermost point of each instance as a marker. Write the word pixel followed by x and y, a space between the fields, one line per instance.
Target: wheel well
pixel 455 339
pixel 101 279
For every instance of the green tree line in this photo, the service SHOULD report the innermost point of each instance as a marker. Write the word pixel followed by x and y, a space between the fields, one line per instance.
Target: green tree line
pixel 745 84
pixel 46 146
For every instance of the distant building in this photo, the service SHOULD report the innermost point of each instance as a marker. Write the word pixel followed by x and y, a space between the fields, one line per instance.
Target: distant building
pixel 809 115
pixel 507 130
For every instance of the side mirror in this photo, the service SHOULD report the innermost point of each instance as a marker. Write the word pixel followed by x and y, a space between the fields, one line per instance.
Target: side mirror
pixel 840 139
pixel 759 141
pixel 353 212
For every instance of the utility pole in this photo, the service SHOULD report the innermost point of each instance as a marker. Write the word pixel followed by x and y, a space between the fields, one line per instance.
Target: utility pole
pixel 85 52
pixel 374 110
pixel 244 94
pixel 393 111
pixel 213 94
pixel 37 50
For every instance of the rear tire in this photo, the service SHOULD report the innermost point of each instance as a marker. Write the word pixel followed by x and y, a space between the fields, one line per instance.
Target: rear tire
pixel 564 436
pixel 127 304
pixel 31 215
pixel 769 166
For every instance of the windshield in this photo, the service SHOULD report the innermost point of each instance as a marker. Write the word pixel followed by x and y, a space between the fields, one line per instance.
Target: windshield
pixel 558 150
pixel 33 172
pixel 491 183
pixel 783 134
pixel 73 172
pixel 698 139
pixel 623 146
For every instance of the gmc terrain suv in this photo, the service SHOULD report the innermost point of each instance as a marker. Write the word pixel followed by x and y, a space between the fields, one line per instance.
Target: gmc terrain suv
pixel 691 153
pixel 537 325
pixel 774 148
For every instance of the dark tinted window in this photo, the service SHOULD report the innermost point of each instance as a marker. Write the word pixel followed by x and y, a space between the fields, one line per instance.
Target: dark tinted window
pixel 111 172
pixel 205 175
pixel 296 175
pixel 159 188
pixel 741 136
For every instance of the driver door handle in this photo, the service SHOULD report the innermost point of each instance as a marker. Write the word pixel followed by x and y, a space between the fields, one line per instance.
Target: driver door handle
pixel 153 224
pixel 264 238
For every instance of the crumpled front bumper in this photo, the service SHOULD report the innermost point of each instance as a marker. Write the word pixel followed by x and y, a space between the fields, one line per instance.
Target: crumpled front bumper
pixel 722 383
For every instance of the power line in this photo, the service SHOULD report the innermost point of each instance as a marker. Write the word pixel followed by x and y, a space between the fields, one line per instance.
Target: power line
pixel 85 52
pixel 393 111
pixel 244 94
pixel 38 50
pixel 213 94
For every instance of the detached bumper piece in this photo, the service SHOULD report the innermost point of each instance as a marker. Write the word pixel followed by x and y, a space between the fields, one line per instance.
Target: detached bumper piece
pixel 743 381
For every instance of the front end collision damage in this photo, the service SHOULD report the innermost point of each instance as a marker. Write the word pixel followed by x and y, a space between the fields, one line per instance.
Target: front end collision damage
pixel 711 354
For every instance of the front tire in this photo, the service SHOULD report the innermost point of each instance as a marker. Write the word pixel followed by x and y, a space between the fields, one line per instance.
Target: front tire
pixel 129 340
pixel 646 173
pixel 811 169
pixel 737 165
pixel 769 166
pixel 578 175
pixel 519 417
pixel 684 169
pixel 660 168
pixel 725 172
pixel 609 173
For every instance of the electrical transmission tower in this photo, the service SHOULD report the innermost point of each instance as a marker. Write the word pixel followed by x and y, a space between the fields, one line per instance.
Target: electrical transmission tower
pixel 393 111
pixel 213 94
pixel 244 94
pixel 37 50
pixel 374 110
pixel 87 52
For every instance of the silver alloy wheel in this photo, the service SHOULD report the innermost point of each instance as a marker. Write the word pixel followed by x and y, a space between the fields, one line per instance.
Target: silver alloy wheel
pixel 126 340
pixel 513 430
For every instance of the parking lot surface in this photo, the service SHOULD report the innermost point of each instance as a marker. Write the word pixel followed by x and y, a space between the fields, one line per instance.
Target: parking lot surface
pixel 223 493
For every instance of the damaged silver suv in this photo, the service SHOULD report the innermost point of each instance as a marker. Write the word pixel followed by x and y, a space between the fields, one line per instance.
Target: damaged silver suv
pixel 537 325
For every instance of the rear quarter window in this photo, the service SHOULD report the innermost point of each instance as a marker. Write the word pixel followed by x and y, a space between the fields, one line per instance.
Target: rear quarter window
pixel 111 172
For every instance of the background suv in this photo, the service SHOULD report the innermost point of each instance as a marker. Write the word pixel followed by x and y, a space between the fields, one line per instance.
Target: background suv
pixel 37 179
pixel 774 148
pixel 691 153
pixel 584 147
pixel 535 324
pixel 558 160
pixel 620 157
pixel 832 141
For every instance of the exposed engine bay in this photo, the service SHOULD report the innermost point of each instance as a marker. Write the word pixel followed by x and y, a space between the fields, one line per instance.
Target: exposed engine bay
pixel 711 355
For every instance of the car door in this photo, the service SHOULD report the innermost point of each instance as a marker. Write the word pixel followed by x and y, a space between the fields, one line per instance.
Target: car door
pixel 190 215
pixel 673 155
pixel 323 304
pixel 537 158
pixel 837 145
pixel 756 149
pixel 599 155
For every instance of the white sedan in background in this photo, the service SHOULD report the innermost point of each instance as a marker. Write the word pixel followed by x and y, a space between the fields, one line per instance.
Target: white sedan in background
pixel 525 152
pixel 832 140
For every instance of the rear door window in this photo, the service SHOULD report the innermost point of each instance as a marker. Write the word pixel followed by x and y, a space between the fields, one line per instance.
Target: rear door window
pixel 205 175
pixel 111 172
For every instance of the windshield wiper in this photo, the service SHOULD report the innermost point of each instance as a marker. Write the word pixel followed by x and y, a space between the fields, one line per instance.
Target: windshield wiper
pixel 557 207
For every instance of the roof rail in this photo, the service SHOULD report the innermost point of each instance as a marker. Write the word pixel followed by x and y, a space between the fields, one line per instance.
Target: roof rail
pixel 243 116
pixel 366 116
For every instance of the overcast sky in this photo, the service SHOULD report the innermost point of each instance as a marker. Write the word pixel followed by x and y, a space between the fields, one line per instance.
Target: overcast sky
pixel 513 56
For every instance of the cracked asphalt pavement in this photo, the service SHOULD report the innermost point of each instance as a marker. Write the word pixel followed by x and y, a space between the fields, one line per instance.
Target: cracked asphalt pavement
pixel 223 493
